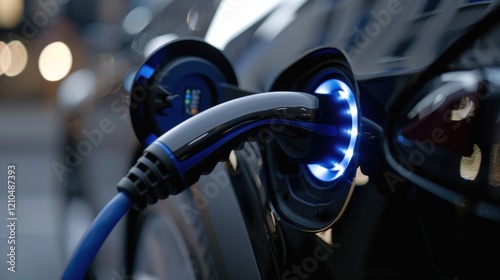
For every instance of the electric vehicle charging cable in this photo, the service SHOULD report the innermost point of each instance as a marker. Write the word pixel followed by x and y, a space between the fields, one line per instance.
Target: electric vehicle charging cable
pixel 178 158
pixel 95 236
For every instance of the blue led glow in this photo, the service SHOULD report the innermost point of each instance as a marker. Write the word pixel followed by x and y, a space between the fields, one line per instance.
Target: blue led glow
pixel 146 71
pixel 150 139
pixel 340 90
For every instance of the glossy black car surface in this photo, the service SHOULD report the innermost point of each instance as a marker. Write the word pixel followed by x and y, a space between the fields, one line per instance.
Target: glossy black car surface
pixel 429 94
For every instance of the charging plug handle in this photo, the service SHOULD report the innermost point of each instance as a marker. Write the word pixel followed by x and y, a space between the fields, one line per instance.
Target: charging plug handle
pixel 178 158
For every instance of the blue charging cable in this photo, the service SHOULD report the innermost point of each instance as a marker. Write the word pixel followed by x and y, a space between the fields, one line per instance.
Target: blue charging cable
pixel 178 158
pixel 93 239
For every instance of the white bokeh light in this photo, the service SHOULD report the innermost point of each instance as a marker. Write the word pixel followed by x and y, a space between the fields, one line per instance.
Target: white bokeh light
pixel 55 61
pixel 18 58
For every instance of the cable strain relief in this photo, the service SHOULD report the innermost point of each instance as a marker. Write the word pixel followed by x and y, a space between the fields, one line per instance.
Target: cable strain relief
pixel 147 181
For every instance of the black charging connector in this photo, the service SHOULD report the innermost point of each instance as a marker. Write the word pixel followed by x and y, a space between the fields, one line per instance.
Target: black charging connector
pixel 316 129
pixel 179 157
pixel 150 179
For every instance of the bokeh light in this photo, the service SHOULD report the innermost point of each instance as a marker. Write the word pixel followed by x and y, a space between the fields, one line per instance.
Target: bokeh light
pixel 18 58
pixel 137 20
pixel 11 12
pixel 55 61
pixel 5 57
pixel 198 16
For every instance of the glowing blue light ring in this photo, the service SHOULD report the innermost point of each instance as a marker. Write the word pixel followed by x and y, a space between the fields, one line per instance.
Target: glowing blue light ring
pixel 333 86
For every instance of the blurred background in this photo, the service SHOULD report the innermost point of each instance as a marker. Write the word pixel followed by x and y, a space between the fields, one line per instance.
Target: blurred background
pixel 65 67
